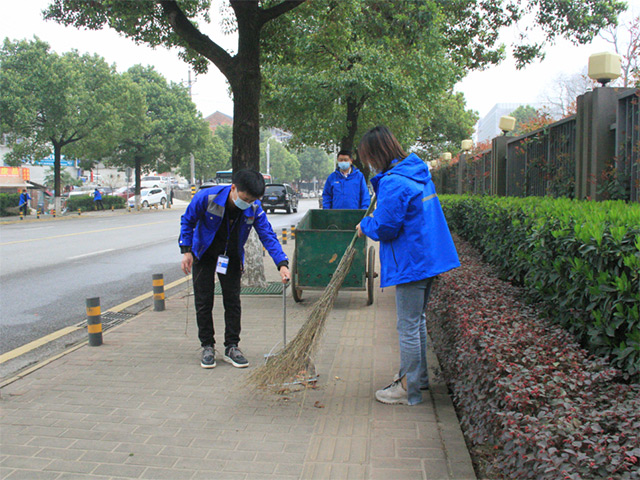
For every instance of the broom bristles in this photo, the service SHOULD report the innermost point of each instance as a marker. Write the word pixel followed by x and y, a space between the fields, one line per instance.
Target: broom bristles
pixel 295 360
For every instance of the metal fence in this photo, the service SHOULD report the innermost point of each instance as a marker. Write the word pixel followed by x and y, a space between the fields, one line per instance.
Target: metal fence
pixel 574 157
pixel 627 159
pixel 543 162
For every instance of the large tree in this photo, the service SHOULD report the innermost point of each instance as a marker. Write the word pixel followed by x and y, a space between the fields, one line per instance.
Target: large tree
pixel 173 23
pixel 53 102
pixel 350 65
pixel 172 127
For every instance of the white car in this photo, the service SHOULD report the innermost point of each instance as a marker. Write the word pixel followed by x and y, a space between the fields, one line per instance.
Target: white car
pixel 152 181
pixel 150 196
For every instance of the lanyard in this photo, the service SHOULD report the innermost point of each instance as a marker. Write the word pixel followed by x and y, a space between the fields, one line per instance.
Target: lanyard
pixel 229 230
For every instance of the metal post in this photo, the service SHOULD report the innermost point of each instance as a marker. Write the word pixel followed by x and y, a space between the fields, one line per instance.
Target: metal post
pixel 158 292
pixel 284 236
pixel 193 190
pixel 94 321
pixel 293 232
pixel 284 314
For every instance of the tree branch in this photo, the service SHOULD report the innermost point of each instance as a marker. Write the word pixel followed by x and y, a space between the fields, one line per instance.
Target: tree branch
pixel 277 10
pixel 196 40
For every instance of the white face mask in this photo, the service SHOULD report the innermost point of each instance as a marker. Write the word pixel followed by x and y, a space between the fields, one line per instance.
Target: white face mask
pixel 344 166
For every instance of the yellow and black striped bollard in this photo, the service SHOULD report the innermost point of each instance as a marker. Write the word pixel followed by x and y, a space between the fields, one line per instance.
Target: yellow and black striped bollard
pixel 158 292
pixel 94 321
pixel 193 190
pixel 293 232
pixel 79 211
pixel 284 236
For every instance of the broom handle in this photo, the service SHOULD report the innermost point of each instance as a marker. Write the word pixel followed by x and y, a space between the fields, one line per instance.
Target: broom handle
pixel 371 208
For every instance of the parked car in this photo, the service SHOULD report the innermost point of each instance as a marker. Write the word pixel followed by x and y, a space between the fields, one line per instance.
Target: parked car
pixel 125 193
pixel 152 181
pixel 150 196
pixel 281 196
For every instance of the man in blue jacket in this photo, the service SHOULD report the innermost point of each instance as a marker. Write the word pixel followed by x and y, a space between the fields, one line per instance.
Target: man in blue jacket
pixel 213 231
pixel 23 202
pixel 345 188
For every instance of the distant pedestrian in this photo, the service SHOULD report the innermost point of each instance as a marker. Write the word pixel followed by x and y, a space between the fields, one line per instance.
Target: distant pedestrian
pixel 97 199
pixel 23 203
pixel 346 188
pixel 415 247
pixel 171 196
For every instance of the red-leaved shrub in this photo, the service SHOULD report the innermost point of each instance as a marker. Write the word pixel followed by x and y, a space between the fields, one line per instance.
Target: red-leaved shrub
pixel 524 387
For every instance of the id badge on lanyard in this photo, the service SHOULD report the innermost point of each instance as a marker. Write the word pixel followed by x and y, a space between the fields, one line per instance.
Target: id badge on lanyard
pixel 223 264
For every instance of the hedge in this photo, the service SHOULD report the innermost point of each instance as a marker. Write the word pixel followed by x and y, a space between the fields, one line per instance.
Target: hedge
pixel 9 204
pixel 579 259
pixel 86 203
pixel 531 402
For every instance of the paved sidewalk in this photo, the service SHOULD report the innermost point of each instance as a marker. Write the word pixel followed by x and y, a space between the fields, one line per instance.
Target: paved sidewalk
pixel 140 406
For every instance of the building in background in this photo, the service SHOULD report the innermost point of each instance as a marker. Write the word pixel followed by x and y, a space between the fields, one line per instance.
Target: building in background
pixel 488 125
pixel 218 118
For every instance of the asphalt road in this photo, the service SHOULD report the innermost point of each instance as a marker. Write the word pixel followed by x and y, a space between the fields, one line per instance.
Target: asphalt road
pixel 49 268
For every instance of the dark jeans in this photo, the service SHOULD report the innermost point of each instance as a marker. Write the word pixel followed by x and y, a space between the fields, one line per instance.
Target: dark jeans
pixel 203 289
pixel 24 209
pixel 99 205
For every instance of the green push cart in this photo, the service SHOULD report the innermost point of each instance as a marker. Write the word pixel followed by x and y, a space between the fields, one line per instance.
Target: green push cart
pixel 322 236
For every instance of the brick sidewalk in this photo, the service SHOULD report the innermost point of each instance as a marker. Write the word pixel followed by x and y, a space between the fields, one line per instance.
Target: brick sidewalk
pixel 140 406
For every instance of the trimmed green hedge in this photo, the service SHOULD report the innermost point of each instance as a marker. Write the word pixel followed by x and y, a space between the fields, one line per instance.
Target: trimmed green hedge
pixel 85 202
pixel 9 204
pixel 579 259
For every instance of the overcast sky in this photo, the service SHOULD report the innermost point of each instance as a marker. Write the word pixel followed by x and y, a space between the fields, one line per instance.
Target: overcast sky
pixel 500 84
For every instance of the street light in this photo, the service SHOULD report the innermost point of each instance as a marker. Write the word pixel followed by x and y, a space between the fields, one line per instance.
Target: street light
pixel 467 145
pixel 506 124
pixel 604 67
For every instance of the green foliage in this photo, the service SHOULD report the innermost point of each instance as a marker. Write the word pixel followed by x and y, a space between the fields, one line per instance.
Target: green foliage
pixel 523 115
pixel 65 178
pixel 71 101
pixel 9 204
pixel 314 162
pixel 284 165
pixel 580 259
pixel 172 127
pixel 85 203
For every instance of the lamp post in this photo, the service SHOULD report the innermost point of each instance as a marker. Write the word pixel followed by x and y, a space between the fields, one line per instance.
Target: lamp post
pixel 506 124
pixel 604 67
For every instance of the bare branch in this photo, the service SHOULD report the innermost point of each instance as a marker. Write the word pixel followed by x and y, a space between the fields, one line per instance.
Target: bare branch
pixel 277 10
pixel 195 39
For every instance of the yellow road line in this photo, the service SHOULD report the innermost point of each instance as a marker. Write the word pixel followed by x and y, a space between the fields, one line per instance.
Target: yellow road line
pixel 5 357
pixel 83 233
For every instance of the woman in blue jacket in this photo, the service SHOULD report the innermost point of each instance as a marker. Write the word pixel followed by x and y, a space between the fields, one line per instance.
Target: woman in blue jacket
pixel 415 246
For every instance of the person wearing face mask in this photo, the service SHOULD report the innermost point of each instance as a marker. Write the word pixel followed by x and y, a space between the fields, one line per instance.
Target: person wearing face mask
pixel 415 247
pixel 213 231
pixel 345 188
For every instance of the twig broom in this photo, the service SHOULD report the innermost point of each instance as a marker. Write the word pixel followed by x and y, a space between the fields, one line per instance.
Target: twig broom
pixel 294 360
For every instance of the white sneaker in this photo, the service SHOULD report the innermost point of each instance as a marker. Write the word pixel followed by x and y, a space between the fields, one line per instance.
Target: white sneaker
pixel 393 394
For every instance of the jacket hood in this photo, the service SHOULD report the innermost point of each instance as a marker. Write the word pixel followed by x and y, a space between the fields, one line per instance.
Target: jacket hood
pixel 411 167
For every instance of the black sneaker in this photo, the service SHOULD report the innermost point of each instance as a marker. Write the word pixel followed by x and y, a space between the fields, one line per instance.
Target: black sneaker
pixel 234 356
pixel 208 357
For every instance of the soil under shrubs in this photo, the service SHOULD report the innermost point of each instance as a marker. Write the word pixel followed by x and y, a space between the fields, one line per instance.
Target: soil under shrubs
pixel 531 402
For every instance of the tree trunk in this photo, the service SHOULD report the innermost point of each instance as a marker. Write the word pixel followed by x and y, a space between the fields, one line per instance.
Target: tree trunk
pixel 138 176
pixel 245 81
pixel 253 275
pixel 347 142
pixel 57 148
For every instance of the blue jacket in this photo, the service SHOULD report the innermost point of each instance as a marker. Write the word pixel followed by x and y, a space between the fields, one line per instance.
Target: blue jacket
pixel 97 195
pixel 201 220
pixel 415 242
pixel 348 192
pixel 24 198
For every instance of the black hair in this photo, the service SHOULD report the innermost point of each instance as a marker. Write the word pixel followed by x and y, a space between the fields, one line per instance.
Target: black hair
pixel 249 181
pixel 345 152
pixel 378 148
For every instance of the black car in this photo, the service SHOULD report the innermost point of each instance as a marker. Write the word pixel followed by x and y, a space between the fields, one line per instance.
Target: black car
pixel 279 195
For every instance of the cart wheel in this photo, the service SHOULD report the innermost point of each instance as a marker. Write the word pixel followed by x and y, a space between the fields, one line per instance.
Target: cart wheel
pixel 371 274
pixel 296 293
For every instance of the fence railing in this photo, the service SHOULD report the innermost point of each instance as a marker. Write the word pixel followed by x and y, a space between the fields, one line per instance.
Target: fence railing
pixel 593 154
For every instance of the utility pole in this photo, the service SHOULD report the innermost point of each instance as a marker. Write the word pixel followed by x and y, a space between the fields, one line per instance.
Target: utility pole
pixel 193 162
